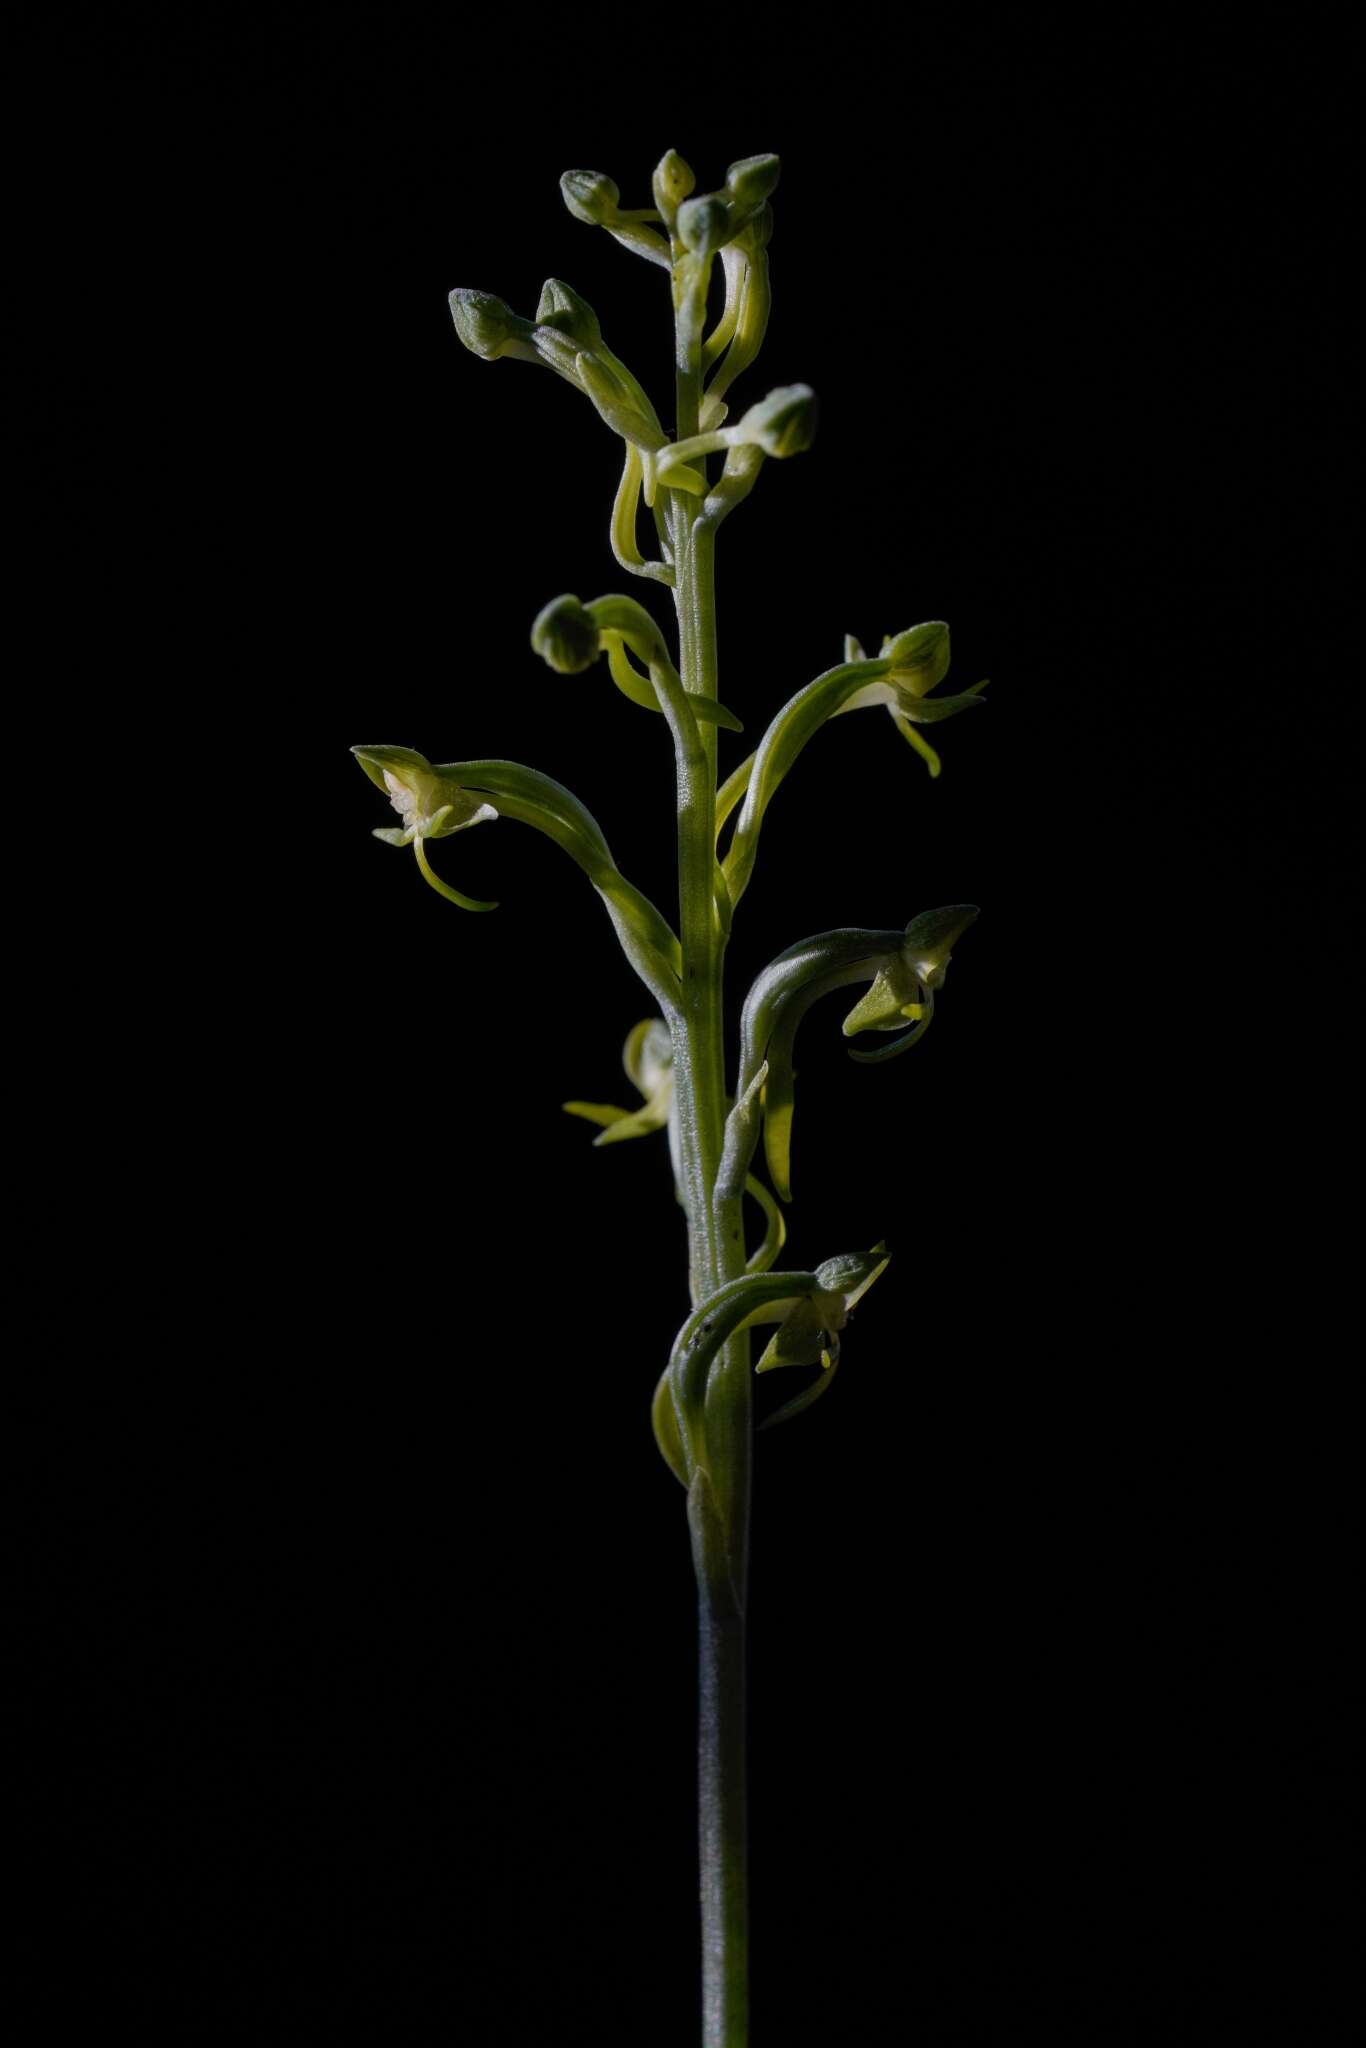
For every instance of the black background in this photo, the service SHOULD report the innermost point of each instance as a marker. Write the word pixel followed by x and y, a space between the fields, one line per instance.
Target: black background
pixel 363 1658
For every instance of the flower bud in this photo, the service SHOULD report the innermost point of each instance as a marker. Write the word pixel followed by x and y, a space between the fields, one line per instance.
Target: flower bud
pixel 704 224
pixel 784 423
pixel 673 181
pixel 750 181
pixel 591 196
pixel 565 637
pixel 486 325
pixel 560 306
pixel 616 401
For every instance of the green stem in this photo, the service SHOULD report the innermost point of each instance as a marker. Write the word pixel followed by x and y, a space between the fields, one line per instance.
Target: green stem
pixel 721 1788
pixel 719 1503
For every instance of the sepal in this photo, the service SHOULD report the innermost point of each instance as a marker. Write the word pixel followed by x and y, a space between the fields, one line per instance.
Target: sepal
pixel 560 306
pixel 753 180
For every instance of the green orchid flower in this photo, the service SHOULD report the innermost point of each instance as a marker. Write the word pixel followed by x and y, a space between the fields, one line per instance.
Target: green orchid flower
pixel 904 985
pixel 920 662
pixel 430 805
pixel 648 1057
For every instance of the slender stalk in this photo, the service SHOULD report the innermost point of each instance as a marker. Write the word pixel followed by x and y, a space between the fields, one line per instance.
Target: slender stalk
pixel 719 1509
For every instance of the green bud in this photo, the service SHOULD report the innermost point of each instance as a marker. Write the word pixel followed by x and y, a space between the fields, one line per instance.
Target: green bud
pixel 784 423
pixel 704 224
pixel 487 326
pixel 591 196
pixel 618 404
pixel 673 181
pixel 750 181
pixel 560 306
pixel 566 637
pixel 919 657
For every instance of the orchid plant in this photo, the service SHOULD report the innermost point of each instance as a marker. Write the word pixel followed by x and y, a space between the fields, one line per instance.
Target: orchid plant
pixel 676 1059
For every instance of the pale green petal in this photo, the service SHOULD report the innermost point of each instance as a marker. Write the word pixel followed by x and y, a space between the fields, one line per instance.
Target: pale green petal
pixel 798 1340
pixel 596 1112
pixel 635 1125
pixel 929 710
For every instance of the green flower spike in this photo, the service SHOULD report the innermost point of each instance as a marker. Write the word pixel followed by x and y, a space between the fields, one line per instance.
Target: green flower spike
pixel 430 805
pixel 919 663
pixel 904 987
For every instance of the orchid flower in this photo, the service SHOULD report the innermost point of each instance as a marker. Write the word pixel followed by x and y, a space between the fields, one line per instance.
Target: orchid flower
pixel 430 806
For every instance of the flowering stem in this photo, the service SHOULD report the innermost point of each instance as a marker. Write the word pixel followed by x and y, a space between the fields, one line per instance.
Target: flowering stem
pixel 719 1498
